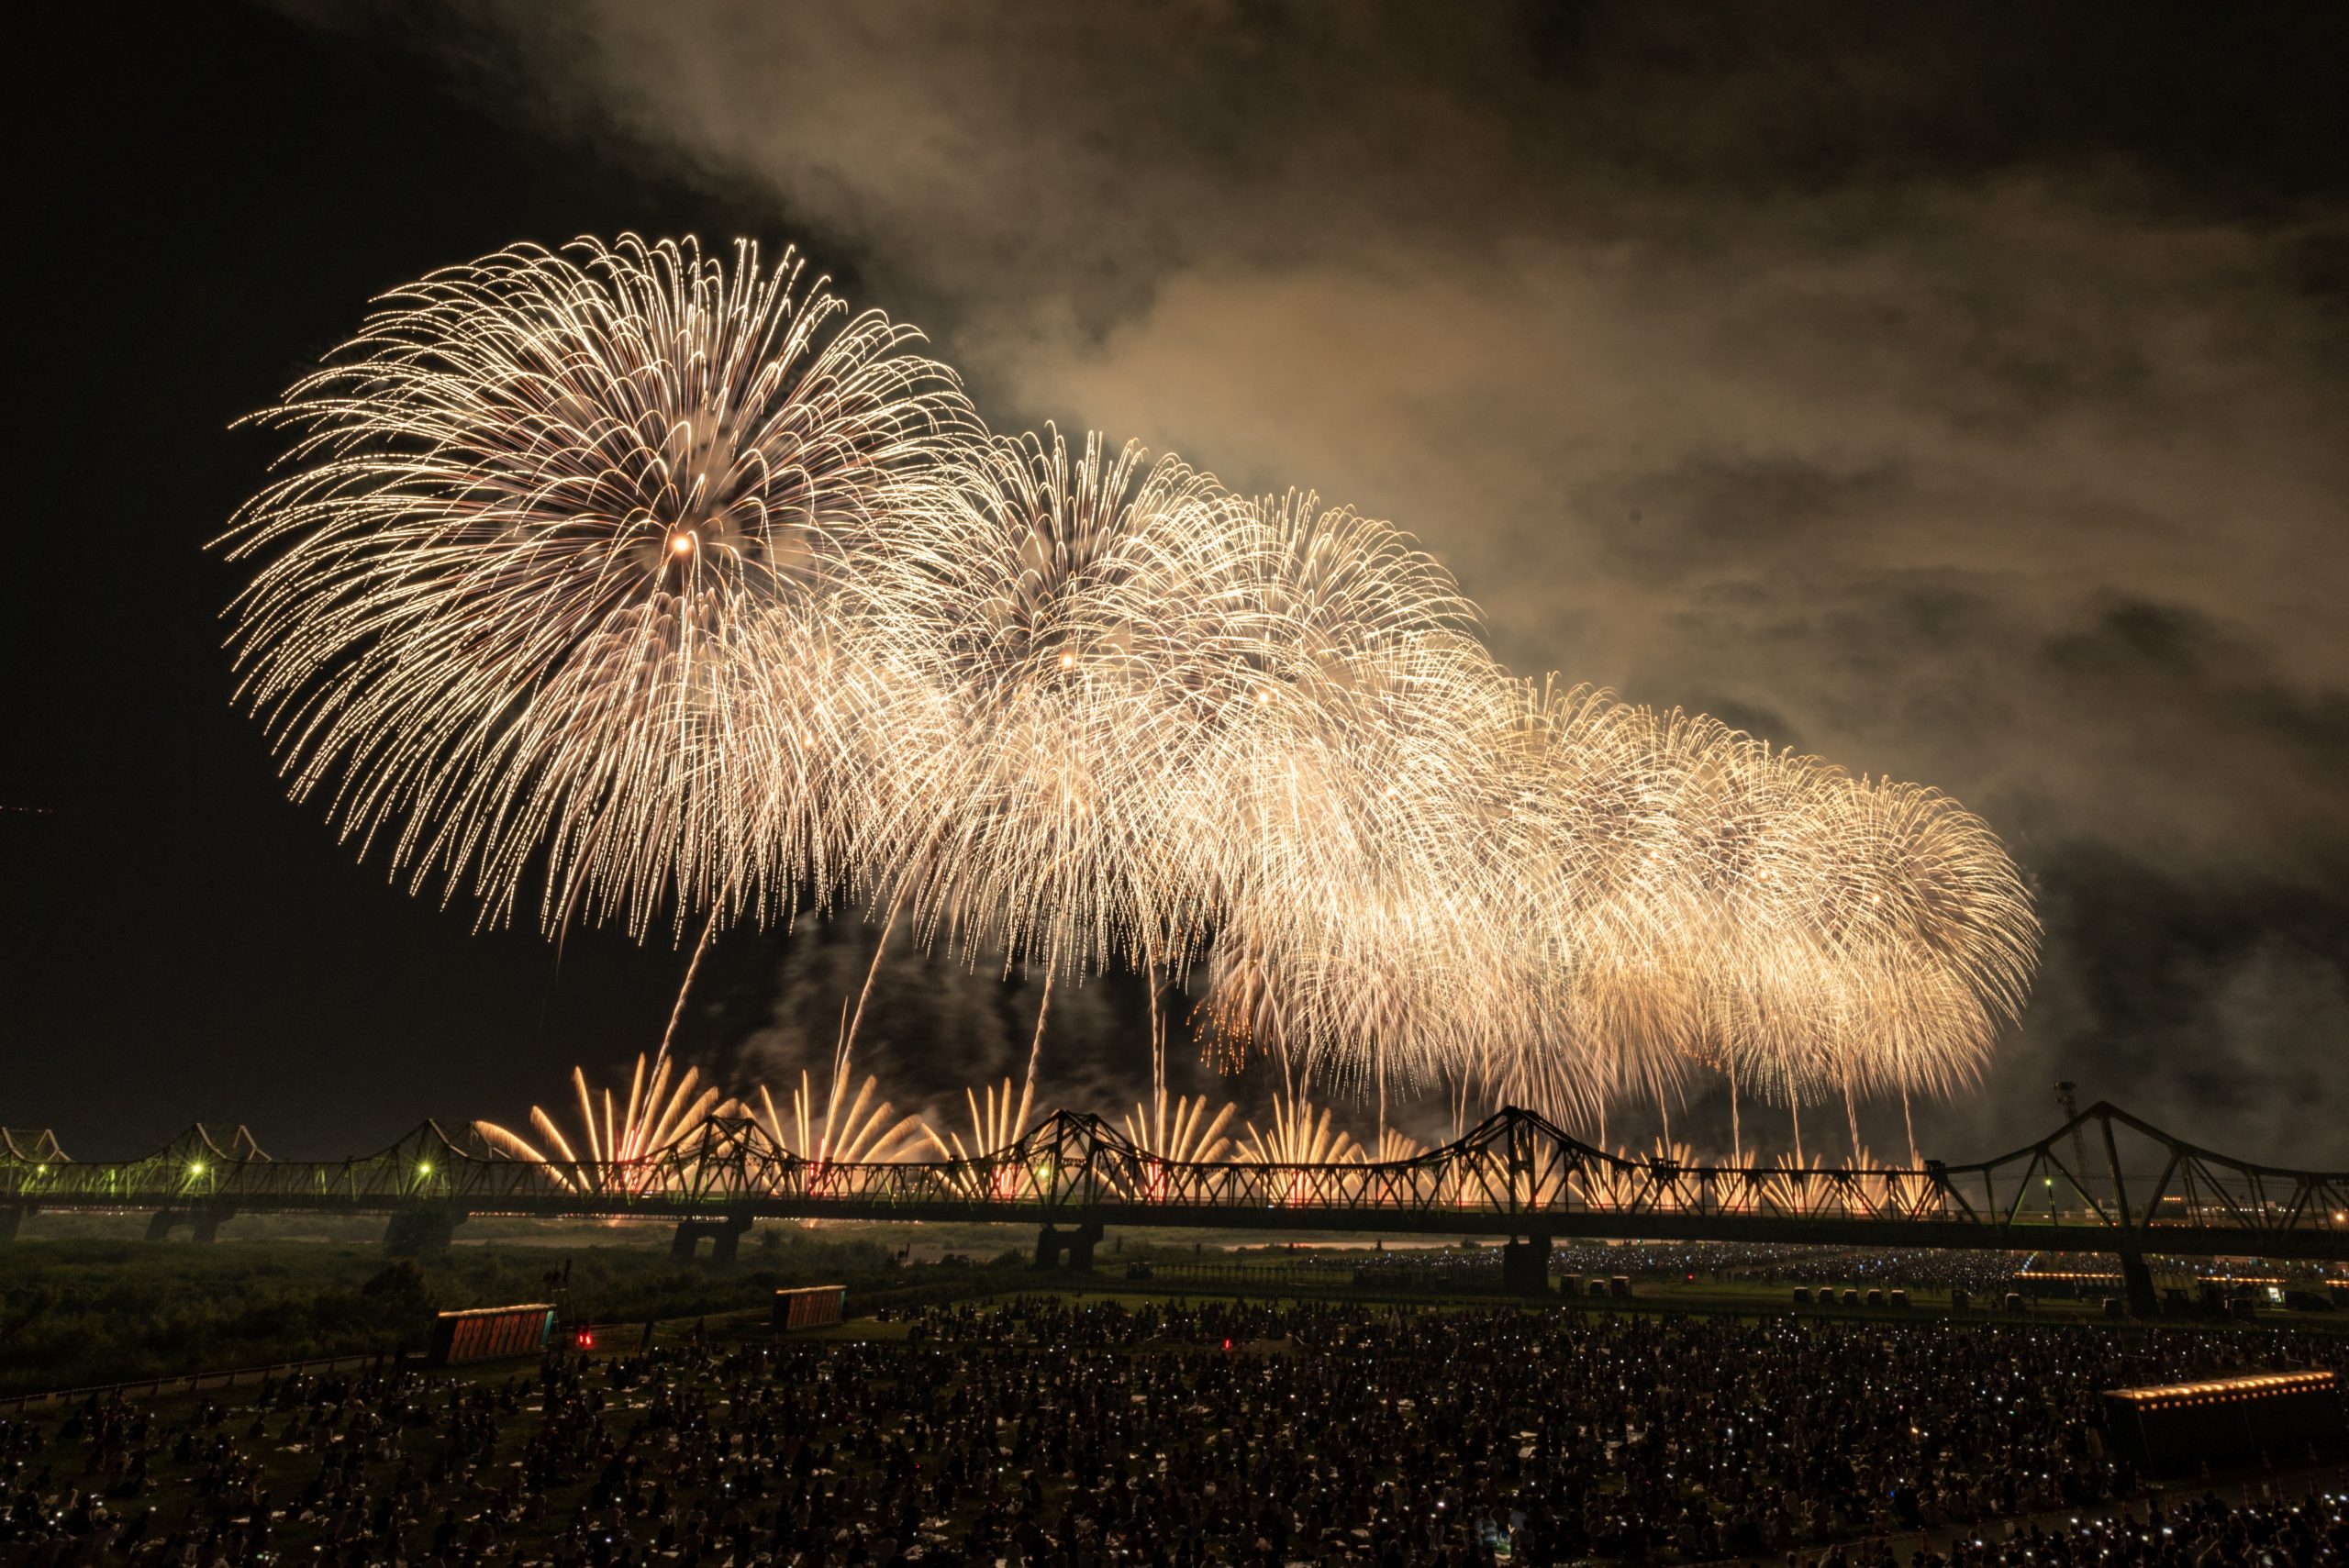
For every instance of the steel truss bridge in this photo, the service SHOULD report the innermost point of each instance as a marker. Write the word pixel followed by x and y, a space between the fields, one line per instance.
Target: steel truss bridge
pixel 2104 1182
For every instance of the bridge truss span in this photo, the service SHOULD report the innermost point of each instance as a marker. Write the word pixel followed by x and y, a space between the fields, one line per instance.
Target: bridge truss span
pixel 2104 1181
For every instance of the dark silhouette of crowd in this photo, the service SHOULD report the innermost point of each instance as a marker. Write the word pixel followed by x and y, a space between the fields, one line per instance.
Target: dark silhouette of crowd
pixel 1781 1264
pixel 2201 1531
pixel 1987 1276
pixel 1051 1430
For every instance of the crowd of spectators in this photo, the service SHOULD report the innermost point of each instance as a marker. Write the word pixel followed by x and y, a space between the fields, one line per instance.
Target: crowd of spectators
pixel 2195 1533
pixel 1053 1429
pixel 1987 1276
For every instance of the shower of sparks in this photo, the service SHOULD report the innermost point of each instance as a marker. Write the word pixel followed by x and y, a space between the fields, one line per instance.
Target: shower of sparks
pixel 997 1119
pixel 614 1141
pixel 1300 1134
pixel 1391 1147
pixel 836 1129
pixel 1180 1132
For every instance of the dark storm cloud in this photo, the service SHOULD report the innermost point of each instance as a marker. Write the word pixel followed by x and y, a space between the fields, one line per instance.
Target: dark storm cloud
pixel 1954 393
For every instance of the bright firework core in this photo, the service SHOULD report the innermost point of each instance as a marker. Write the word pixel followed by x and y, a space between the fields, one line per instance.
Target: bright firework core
pixel 1019 694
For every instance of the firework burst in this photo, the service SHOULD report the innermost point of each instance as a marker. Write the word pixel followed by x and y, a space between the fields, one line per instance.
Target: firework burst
pixel 718 596
pixel 560 564
pixel 1343 824
pixel 1080 666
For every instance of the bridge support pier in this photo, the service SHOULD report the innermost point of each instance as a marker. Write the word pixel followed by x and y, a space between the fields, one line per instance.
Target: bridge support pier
pixel 426 1230
pixel 1067 1248
pixel 1525 1266
pixel 2137 1285
pixel 204 1224
pixel 725 1239
pixel 10 1218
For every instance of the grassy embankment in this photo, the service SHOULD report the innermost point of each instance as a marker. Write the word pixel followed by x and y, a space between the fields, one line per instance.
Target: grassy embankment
pixel 75 1312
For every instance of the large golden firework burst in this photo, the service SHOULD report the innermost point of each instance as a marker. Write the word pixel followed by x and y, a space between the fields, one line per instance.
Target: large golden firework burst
pixel 683 581
pixel 566 561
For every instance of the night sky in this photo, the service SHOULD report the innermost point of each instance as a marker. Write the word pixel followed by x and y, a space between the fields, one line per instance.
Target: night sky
pixel 1957 393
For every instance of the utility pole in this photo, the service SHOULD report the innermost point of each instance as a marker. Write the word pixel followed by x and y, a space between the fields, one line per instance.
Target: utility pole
pixel 2071 1109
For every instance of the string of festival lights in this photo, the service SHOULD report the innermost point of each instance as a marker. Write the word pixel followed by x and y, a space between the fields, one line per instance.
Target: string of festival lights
pixel 654 588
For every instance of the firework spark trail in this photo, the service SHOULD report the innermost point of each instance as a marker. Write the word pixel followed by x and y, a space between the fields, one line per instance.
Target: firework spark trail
pixel 1299 1134
pixel 720 597
pixel 1390 1147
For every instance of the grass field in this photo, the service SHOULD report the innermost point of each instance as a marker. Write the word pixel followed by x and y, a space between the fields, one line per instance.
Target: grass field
pixel 80 1311
pixel 86 1299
